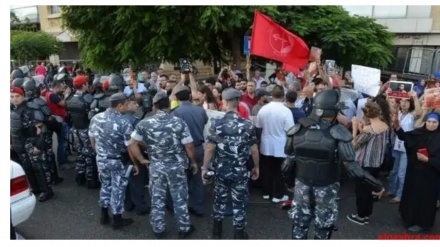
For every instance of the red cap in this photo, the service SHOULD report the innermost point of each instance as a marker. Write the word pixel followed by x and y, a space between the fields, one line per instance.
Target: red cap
pixel 17 90
pixel 106 84
pixel 80 80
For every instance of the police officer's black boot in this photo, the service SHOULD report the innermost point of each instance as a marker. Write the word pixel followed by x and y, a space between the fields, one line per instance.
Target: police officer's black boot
pixel 240 234
pixel 93 184
pixel 105 218
pixel 183 235
pixel 46 190
pixel 217 230
pixel 80 179
pixel 119 222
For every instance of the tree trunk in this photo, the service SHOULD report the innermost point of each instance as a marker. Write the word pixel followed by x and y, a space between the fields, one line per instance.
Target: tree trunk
pixel 236 48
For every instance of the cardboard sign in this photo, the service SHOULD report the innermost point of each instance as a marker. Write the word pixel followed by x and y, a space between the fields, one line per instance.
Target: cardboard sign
pixel 366 79
pixel 400 89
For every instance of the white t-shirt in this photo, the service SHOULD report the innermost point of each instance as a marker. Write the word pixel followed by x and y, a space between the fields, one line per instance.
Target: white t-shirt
pixel 275 119
pixel 141 88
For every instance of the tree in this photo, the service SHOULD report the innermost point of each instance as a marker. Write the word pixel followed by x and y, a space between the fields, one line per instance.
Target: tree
pixel 344 38
pixel 113 35
pixel 28 46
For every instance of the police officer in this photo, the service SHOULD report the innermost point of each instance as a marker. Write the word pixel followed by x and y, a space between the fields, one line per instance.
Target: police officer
pixel 315 147
pixel 32 96
pixel 27 141
pixel 78 107
pixel 135 196
pixel 167 137
pixel 101 97
pixel 195 117
pixel 110 133
pixel 231 139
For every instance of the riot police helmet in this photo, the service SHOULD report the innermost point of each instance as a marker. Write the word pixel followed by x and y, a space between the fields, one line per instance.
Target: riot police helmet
pixel 17 82
pixel 17 73
pixel 97 81
pixel 117 83
pixel 30 88
pixel 326 104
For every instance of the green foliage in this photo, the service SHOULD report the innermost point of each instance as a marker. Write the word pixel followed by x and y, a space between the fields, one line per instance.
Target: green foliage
pixel 344 38
pixel 27 46
pixel 111 35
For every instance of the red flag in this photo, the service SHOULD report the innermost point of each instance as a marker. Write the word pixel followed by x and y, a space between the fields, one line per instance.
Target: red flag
pixel 290 68
pixel 272 41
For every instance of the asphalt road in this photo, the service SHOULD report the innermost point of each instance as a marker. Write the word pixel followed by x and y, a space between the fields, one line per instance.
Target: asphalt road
pixel 74 214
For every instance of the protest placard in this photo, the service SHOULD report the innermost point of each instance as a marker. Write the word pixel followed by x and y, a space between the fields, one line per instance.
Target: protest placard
pixel 366 79
pixel 400 89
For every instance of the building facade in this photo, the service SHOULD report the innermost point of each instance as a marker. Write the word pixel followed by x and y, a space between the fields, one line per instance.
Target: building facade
pixel 417 34
pixel 50 22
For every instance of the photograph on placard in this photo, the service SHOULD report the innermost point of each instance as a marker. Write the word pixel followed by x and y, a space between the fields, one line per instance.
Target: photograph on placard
pixel 400 89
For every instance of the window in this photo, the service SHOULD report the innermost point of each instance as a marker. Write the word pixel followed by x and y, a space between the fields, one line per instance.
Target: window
pixel 390 11
pixel 54 9
pixel 365 10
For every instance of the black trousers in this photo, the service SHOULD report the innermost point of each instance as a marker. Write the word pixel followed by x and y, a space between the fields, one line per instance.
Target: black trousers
pixel 270 172
pixel 364 198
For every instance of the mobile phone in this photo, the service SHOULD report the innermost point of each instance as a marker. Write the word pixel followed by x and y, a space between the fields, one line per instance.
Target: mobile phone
pixel 423 151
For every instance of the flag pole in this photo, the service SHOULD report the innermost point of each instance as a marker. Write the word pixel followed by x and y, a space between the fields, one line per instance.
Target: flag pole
pixel 248 67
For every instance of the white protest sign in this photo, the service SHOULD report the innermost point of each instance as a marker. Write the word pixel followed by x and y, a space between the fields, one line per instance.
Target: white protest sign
pixel 366 79
pixel 348 94
pixel 211 114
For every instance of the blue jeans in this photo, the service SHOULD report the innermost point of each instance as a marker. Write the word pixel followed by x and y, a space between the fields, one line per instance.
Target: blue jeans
pixel 397 176
pixel 62 144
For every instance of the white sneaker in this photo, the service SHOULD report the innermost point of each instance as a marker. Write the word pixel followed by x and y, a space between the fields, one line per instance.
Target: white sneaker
pixel 266 197
pixel 283 199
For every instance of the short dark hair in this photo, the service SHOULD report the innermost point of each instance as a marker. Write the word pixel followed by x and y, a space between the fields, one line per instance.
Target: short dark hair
pixel 278 92
pixel 163 75
pixel 163 104
pixel 114 104
pixel 264 82
pixel 210 80
pixel 291 96
pixel 183 95
pixel 56 83
pixel 243 79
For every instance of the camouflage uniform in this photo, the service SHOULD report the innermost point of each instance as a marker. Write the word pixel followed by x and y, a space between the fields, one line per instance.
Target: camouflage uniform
pixel 165 136
pixel 233 136
pixel 112 133
pixel 85 161
pixel 317 202
pixel 49 156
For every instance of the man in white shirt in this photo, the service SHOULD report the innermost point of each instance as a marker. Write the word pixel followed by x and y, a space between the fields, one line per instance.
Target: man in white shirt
pixel 257 78
pixel 137 89
pixel 273 121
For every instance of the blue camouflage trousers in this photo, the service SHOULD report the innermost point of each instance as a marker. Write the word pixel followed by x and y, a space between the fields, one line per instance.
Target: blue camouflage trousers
pixel 85 161
pixel 113 184
pixel 318 203
pixel 163 175
pixel 49 155
pixel 237 185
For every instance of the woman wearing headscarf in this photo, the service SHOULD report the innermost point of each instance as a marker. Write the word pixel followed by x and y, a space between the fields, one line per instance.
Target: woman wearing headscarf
pixel 418 203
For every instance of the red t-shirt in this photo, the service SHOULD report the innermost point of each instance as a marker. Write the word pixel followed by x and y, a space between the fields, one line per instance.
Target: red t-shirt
pixel 242 111
pixel 251 102
pixel 40 70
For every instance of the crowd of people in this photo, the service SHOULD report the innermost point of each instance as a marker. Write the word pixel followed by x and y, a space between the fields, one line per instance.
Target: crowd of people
pixel 289 134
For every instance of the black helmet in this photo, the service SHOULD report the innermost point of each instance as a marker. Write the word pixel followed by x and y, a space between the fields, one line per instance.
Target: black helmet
pixel 30 88
pixel 17 73
pixel 96 82
pixel 326 104
pixel 116 83
pixel 18 82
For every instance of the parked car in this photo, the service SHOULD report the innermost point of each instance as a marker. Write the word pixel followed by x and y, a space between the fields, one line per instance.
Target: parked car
pixel 22 200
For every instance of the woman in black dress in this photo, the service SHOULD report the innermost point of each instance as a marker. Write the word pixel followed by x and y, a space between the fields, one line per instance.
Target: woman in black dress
pixel 418 204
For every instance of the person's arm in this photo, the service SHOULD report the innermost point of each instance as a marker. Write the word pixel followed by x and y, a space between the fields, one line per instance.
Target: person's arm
pixel 343 120
pixel 133 146
pixel 418 108
pixel 193 86
pixel 209 153
pixel 56 99
pixel 188 142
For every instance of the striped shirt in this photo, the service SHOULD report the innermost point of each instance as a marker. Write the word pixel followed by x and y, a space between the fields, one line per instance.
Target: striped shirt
pixel 370 148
